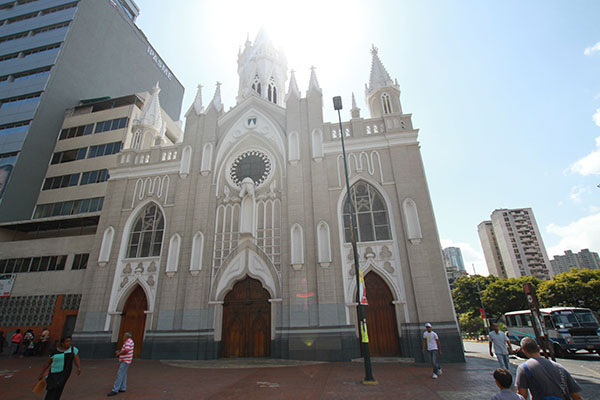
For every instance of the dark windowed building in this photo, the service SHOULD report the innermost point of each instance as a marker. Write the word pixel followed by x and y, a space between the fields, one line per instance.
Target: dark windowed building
pixel 53 53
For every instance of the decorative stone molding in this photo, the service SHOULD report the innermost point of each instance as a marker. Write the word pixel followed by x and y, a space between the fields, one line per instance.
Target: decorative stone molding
pixel 106 247
pixel 297 247
pixel 323 244
pixel 411 221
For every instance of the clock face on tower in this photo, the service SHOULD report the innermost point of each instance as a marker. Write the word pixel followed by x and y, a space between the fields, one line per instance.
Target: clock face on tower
pixel 251 164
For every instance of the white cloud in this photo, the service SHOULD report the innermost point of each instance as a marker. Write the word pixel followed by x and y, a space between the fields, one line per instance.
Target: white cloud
pixel 581 234
pixel 596 117
pixel 577 192
pixel 590 164
pixel 591 50
pixel 470 256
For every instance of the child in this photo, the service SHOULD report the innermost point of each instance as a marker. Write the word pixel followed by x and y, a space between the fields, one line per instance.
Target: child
pixel 504 382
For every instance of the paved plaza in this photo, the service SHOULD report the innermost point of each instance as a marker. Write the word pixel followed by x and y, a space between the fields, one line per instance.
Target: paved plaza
pixel 274 379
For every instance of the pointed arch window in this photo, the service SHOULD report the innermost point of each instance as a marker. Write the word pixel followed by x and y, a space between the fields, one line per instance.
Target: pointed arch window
pixel 272 91
pixel 145 239
pixel 387 103
pixel 371 214
pixel 137 140
pixel 256 85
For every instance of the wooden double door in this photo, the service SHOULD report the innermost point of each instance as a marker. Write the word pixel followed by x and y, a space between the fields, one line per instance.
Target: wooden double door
pixel 246 321
pixel 381 318
pixel 133 319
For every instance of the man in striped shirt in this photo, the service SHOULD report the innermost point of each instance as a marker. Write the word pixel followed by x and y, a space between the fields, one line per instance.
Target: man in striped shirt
pixel 125 357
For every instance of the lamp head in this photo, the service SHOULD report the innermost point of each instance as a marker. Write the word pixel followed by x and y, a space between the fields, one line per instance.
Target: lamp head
pixel 337 103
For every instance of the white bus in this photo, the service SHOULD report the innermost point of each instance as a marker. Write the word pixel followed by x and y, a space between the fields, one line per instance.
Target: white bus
pixel 569 328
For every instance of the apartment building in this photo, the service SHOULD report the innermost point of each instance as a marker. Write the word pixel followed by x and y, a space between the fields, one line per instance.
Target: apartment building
pixel 584 259
pixel 512 243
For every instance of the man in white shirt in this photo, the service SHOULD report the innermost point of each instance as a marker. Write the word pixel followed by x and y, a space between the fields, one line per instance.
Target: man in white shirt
pixel 432 342
pixel 502 346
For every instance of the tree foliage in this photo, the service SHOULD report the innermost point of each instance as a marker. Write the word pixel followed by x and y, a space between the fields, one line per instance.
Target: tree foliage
pixel 578 288
pixel 465 295
pixel 471 324
pixel 504 295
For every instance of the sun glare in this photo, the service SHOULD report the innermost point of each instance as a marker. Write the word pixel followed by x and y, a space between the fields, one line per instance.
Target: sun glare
pixel 309 32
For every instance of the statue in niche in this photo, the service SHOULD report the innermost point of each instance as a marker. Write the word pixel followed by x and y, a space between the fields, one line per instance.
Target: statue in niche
pixel 248 206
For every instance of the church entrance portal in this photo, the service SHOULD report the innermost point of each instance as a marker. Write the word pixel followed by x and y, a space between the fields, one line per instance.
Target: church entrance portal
pixel 133 319
pixel 246 321
pixel 381 318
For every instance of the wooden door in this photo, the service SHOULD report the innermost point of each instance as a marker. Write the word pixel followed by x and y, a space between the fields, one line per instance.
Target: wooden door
pixel 133 319
pixel 246 321
pixel 381 318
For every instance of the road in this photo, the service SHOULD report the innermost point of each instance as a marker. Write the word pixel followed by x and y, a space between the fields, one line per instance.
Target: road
pixel 585 368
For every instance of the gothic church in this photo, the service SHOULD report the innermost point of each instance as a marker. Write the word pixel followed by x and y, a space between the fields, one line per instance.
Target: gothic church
pixel 235 242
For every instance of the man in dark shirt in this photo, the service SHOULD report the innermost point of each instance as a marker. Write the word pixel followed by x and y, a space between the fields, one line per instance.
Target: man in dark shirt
pixel 543 377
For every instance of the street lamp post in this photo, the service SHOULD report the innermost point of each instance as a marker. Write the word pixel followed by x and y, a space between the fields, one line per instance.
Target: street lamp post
pixel 369 380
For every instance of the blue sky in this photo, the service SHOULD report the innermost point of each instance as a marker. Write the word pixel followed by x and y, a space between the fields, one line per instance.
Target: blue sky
pixel 503 93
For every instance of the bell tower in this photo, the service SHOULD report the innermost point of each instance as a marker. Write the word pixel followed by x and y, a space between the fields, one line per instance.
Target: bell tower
pixel 382 94
pixel 262 70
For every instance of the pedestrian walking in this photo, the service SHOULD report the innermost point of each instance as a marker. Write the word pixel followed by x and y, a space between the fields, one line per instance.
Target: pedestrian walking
pixel 125 358
pixel 16 340
pixel 502 346
pixel 504 382
pixel 431 341
pixel 545 379
pixel 60 364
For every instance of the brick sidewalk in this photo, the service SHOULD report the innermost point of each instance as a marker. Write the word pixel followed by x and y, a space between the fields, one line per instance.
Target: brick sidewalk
pixel 149 379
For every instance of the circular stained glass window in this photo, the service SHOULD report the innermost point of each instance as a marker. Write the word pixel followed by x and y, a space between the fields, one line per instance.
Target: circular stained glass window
pixel 252 164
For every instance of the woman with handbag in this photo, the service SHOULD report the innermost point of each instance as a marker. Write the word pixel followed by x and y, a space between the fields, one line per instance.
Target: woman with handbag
pixel 60 363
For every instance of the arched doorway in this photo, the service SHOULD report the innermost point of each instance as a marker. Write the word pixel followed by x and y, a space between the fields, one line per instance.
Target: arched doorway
pixel 381 318
pixel 133 319
pixel 246 321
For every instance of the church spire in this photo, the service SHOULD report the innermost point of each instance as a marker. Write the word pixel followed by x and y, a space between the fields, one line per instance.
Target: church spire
pixel 151 115
pixel 379 76
pixel 198 107
pixel 262 69
pixel 293 87
pixel 216 101
pixel 354 111
pixel 382 93
pixel 313 84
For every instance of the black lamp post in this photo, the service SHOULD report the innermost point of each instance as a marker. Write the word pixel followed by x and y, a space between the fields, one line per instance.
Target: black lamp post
pixel 364 340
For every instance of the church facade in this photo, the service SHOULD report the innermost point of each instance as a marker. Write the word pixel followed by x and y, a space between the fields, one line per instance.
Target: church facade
pixel 235 242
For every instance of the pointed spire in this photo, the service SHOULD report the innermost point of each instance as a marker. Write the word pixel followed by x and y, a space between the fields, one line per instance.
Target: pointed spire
pixel 354 111
pixel 313 84
pixel 198 101
pixel 379 76
pixel 293 87
pixel 151 115
pixel 216 101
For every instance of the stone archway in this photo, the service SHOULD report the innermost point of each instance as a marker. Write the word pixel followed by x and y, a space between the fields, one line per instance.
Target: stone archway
pixel 133 319
pixel 246 321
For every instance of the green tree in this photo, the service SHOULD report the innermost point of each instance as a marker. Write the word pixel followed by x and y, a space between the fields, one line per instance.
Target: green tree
pixel 471 324
pixel 505 295
pixel 465 295
pixel 578 288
